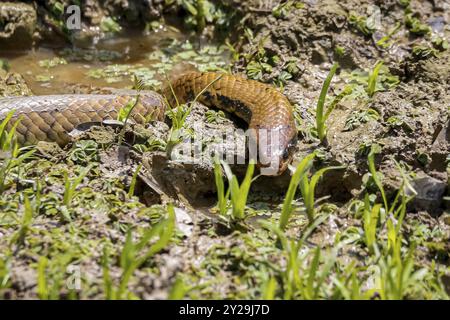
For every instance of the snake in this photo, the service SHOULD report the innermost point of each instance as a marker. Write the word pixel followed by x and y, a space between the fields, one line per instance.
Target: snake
pixel 264 109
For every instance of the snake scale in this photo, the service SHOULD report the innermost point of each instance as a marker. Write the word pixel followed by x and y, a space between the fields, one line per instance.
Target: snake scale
pixel 53 117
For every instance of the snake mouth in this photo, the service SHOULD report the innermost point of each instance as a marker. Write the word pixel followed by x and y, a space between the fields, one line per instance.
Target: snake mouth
pixel 275 157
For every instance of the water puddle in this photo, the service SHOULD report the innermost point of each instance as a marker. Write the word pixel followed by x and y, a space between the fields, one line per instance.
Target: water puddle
pixel 116 62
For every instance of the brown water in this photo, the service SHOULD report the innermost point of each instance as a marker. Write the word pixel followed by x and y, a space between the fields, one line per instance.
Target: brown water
pixel 132 49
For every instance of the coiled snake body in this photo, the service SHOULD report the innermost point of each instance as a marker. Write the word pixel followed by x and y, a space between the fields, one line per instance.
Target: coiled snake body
pixel 51 118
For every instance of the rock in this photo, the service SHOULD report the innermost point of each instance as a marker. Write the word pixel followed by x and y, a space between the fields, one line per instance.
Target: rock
pixel 17 24
pixel 13 84
pixel 430 193
pixel 439 148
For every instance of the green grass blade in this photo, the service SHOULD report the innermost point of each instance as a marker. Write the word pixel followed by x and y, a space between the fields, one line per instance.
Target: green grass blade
pixel 372 81
pixel 42 285
pixel 320 114
pixel 373 172
pixel 269 289
pixel 309 190
pixel 287 209
pixel 134 180
pixel 178 290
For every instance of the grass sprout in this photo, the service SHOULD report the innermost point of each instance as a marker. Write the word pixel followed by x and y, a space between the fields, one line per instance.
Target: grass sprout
pixel 322 113
pixel 238 193
pixel 70 185
pixel 222 196
pixel 370 222
pixel 372 80
pixel 307 188
pixel 135 254
pixel 19 236
pixel 134 180
pixel 11 155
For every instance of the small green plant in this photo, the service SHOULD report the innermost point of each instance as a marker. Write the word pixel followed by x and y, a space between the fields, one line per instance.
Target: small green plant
pixel 84 152
pixel 438 42
pixel 307 188
pixel 258 61
pixel 372 80
pixel 366 82
pixel 339 51
pixel 256 69
pixel 11 156
pixel 320 110
pixel 370 221
pixel 396 274
pixel 213 116
pixel 135 254
pixel 396 209
pixel 125 112
pixel 302 278
pixel 19 236
pixel 365 25
pixel 282 79
pixel 420 52
pixel 134 180
pixel 5 274
pixel 282 10
pixel 237 193
pixel 349 286
pixel 221 195
pixel 323 113
pixel 178 290
pixel 384 41
pixel 124 115
pixel 404 3
pixel 287 208
pixel 51 63
pixel 201 12
pixel 71 185
pixel 269 289
pixel 57 8
pixel 317 275
pixel 415 26
pixel 4 65
pixel 400 121
pixel 109 25
pixel 357 118
pixel 375 148
pixel 152 144
pixel 42 285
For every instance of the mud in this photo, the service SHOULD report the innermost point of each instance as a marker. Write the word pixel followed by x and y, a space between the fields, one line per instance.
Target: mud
pixel 18 23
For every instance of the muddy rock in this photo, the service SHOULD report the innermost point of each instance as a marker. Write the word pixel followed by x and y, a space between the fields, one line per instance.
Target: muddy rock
pixel 17 24
pixel 429 193
pixel 13 84
pixel 435 69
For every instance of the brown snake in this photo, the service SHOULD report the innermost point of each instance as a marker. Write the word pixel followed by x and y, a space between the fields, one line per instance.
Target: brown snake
pixel 53 117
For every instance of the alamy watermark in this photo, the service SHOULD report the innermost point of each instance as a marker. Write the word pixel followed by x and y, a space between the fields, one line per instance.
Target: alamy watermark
pixel 233 146
pixel 73 17
pixel 73 281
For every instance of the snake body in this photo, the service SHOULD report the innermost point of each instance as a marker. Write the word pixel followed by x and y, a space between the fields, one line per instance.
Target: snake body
pixel 260 105
pixel 53 117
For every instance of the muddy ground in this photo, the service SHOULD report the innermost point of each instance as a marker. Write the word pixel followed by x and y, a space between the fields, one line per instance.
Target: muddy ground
pixel 291 45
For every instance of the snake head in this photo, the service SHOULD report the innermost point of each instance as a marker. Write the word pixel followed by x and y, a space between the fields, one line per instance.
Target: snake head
pixel 276 147
pixel 287 155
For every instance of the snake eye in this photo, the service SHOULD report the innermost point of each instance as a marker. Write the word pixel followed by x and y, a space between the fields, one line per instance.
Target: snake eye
pixel 286 154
